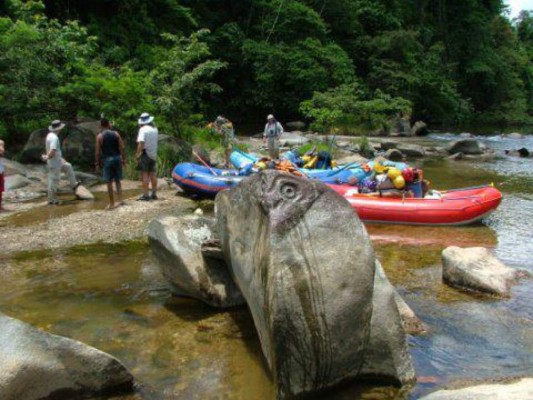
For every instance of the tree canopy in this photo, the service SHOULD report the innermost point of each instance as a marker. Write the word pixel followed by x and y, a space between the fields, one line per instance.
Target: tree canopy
pixel 345 62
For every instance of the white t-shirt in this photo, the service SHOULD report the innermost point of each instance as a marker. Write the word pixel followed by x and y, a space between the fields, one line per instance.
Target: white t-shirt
pixel 148 134
pixel 52 143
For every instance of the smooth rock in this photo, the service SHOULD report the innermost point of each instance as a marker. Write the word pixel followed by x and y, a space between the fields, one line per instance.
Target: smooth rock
pixel 465 146
pixel 296 125
pixel 34 147
pixel 86 178
pixel 354 158
pixel 177 243
pixel 387 353
pixel 82 193
pixel 38 365
pixel 466 135
pixel 394 155
pixel 411 323
pixel 78 144
pixel 13 182
pixel 514 135
pixel 521 390
pixel 307 279
pixel 419 128
pixel 293 139
pixel 410 150
pixel 13 168
pixel 475 268
pixel 522 152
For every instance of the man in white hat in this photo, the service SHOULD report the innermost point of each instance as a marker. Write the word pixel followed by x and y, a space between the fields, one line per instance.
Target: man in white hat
pixel 56 163
pixel 273 132
pixel 147 156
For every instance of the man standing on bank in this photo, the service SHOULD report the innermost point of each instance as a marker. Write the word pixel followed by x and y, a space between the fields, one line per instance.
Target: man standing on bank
pixel 110 156
pixel 56 163
pixel 146 156
pixel 272 133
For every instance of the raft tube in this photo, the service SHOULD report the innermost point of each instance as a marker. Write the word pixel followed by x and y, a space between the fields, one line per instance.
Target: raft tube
pixel 455 207
pixel 197 179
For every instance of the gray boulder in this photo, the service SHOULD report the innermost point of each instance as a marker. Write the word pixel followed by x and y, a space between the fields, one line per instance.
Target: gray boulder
pixel 420 128
pixel 522 152
pixel 82 193
pixel 293 139
pixel 456 156
pixel 387 351
pixel 34 147
pixel 307 279
pixel 12 167
pixel 475 268
pixel 38 365
pixel 521 389
pixel 177 243
pixel 514 135
pixel 296 125
pixel 465 146
pixel 13 182
pixel 394 155
pixel 410 150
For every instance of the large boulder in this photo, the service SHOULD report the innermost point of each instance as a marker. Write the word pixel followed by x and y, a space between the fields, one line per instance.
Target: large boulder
pixel 38 365
pixel 465 146
pixel 521 389
pixel 34 147
pixel 475 268
pixel 13 168
pixel 394 155
pixel 177 243
pixel 296 125
pixel 307 279
pixel 293 139
pixel 420 128
pixel 522 152
pixel 13 182
pixel 410 150
pixel 77 144
pixel 387 351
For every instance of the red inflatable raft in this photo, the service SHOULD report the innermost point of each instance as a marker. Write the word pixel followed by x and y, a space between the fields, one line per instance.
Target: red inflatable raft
pixel 455 207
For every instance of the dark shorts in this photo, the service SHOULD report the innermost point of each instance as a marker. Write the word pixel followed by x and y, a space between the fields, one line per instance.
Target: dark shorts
pixel 112 169
pixel 1 183
pixel 145 163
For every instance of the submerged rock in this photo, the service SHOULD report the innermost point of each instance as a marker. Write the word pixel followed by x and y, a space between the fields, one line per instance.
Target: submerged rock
pixel 465 146
pixel 82 193
pixel 475 268
pixel 38 365
pixel 410 150
pixel 308 280
pixel 177 243
pixel 523 389
pixel 522 152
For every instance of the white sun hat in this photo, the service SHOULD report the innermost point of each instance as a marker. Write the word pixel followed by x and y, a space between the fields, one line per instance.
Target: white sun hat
pixel 270 116
pixel 56 126
pixel 145 119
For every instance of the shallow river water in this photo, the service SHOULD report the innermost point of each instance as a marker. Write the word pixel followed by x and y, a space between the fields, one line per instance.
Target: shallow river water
pixel 112 297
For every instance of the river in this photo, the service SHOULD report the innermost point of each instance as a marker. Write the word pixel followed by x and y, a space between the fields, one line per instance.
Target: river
pixel 112 297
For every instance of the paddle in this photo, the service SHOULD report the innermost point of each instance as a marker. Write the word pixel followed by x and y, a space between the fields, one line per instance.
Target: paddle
pixel 204 163
pixel 341 169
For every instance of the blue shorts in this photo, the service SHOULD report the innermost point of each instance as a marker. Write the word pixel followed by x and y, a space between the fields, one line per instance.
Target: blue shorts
pixel 112 169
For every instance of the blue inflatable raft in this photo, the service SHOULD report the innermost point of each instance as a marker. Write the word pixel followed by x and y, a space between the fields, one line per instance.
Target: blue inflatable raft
pixel 197 179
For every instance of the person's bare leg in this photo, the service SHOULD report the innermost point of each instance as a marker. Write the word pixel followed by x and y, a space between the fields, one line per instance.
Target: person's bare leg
pixel 119 192
pixel 153 181
pixel 111 204
pixel 145 178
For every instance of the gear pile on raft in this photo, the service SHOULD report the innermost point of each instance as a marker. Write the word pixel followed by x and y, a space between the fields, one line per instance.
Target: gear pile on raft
pixel 379 190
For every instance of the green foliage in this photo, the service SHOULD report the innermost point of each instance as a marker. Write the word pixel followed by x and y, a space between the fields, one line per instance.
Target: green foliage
pixel 183 77
pixel 315 145
pixel 349 107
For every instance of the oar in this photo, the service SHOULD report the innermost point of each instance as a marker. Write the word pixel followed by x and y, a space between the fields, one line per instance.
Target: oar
pixel 204 163
pixel 341 169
